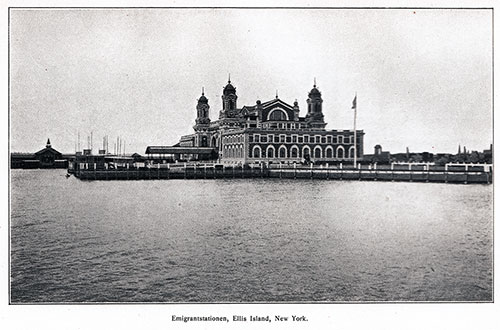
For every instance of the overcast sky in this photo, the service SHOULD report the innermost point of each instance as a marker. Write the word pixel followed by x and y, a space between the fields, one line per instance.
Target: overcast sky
pixel 423 77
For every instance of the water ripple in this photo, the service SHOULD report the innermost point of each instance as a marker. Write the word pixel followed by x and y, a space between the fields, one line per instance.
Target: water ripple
pixel 247 240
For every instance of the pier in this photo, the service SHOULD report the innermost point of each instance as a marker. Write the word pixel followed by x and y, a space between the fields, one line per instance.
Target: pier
pixel 461 174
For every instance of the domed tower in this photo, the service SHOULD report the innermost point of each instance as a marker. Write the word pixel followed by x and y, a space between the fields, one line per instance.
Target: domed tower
pixel 314 116
pixel 229 99
pixel 202 117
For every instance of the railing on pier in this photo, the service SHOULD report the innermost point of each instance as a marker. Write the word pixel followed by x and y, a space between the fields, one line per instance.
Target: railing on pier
pixel 449 173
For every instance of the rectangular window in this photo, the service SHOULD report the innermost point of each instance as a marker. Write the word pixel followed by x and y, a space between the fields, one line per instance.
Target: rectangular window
pixel 250 138
pixel 263 139
pixel 270 138
pixel 329 139
pixel 257 138
pixel 323 139
pixel 282 138
pixel 301 139
pixel 294 138
pixel 351 139
pixel 288 139
pixel 306 138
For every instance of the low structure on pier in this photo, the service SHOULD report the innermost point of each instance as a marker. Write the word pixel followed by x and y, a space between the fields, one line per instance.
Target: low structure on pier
pixel 175 153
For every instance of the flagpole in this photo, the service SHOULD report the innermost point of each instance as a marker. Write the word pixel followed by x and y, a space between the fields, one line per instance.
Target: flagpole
pixel 355 140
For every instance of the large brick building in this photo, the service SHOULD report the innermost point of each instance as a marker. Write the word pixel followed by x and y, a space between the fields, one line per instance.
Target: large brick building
pixel 271 132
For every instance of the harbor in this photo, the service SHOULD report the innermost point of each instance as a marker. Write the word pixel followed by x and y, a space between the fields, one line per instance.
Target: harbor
pixel 167 242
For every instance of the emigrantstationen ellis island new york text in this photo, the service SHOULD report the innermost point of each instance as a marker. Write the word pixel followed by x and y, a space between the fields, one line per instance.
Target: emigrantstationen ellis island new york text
pixel 267 139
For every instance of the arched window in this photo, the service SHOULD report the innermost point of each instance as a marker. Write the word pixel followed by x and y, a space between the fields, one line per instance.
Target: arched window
pixel 317 152
pixel 294 151
pixel 256 152
pixel 282 152
pixel 329 152
pixel 277 114
pixel 351 152
pixel 306 152
pixel 270 152
pixel 340 152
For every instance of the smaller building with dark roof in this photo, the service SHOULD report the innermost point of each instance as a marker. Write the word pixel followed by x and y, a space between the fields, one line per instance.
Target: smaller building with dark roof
pixel 48 157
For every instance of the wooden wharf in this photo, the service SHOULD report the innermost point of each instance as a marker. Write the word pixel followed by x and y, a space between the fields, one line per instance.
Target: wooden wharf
pixel 471 174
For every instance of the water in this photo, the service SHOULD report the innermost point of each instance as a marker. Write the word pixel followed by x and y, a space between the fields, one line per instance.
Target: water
pixel 247 240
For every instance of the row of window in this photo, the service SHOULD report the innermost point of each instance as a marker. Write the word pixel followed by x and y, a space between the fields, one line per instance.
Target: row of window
pixel 282 138
pixel 282 125
pixel 233 152
pixel 296 152
pixel 232 139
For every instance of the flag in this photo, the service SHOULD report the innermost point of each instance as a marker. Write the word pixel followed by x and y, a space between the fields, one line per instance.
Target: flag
pixel 354 102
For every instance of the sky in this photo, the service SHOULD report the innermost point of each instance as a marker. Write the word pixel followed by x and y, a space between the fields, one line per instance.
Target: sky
pixel 423 78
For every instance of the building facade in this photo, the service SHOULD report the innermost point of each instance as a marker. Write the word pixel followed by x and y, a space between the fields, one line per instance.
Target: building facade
pixel 271 132
pixel 48 157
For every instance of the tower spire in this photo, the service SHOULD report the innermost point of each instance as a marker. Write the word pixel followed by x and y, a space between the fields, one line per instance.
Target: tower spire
pixel 229 78
pixel 276 93
pixel 314 81
pixel 202 91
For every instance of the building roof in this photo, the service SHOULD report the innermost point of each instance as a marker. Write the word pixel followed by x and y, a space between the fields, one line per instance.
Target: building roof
pixel 229 88
pixel 22 155
pixel 268 104
pixel 203 98
pixel 48 149
pixel 178 150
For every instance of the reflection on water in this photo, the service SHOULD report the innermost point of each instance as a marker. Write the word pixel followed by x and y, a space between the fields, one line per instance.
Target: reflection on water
pixel 247 240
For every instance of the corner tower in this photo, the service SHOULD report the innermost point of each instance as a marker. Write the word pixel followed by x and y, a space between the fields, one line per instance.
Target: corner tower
pixel 314 117
pixel 229 100
pixel 202 117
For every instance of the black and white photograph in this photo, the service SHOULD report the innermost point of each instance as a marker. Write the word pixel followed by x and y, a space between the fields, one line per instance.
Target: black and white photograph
pixel 315 156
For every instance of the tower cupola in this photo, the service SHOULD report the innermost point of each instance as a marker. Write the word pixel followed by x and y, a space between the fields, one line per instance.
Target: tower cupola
pixel 314 116
pixel 202 111
pixel 229 97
